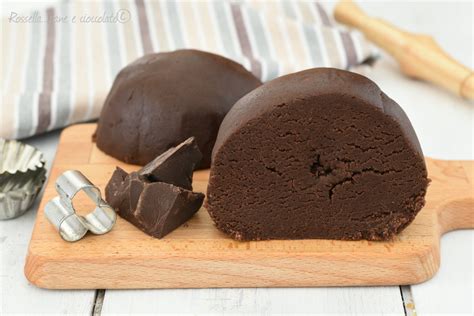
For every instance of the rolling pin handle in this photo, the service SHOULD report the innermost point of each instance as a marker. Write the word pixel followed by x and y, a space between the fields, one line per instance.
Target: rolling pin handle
pixel 467 87
pixel 418 55
pixel 349 13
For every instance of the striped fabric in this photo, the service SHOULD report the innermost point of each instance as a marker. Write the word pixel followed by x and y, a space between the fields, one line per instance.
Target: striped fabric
pixel 57 72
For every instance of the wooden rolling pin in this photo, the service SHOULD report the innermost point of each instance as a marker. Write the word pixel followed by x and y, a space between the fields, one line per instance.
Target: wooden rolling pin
pixel 419 56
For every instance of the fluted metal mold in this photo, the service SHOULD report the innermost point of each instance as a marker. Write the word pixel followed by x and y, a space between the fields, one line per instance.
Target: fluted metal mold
pixel 22 175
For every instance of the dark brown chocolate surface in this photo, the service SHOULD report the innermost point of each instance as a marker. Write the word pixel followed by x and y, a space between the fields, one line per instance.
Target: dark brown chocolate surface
pixel 116 186
pixel 156 207
pixel 172 207
pixel 161 99
pixel 321 153
pixel 175 166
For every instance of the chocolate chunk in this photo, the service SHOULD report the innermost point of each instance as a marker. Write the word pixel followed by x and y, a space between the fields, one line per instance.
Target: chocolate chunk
pixel 322 153
pixel 117 191
pixel 156 207
pixel 161 99
pixel 135 190
pixel 175 166
pixel 114 189
pixel 163 207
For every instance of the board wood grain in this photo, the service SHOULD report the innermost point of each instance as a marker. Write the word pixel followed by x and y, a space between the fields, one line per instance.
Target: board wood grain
pixel 197 255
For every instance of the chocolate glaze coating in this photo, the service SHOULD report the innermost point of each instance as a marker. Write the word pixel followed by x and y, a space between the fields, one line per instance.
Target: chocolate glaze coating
pixel 322 153
pixel 161 99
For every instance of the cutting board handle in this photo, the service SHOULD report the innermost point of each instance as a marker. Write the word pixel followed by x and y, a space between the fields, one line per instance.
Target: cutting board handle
pixel 457 214
pixel 457 211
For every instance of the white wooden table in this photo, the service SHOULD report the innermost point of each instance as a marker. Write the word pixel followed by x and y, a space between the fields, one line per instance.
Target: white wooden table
pixel 444 124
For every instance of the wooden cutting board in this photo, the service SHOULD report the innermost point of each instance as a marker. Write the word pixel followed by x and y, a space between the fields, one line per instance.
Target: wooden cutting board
pixel 197 255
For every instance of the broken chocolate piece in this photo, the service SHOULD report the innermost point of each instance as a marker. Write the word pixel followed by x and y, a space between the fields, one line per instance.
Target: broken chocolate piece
pixel 145 200
pixel 175 166
pixel 136 187
pixel 163 207
pixel 114 188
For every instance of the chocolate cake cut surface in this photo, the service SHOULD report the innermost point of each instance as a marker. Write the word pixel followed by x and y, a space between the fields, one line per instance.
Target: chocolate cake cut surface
pixel 161 99
pixel 156 198
pixel 321 153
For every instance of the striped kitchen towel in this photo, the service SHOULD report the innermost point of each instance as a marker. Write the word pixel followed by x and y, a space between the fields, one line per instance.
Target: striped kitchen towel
pixel 59 63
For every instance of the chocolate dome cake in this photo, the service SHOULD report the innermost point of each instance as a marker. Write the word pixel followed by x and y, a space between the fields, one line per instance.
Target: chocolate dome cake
pixel 161 99
pixel 321 153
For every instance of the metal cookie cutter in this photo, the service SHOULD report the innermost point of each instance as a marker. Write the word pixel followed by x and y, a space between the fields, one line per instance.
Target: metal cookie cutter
pixel 61 213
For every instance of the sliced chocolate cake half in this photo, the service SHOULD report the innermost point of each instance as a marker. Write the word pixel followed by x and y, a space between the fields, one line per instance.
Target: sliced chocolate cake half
pixel 321 153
